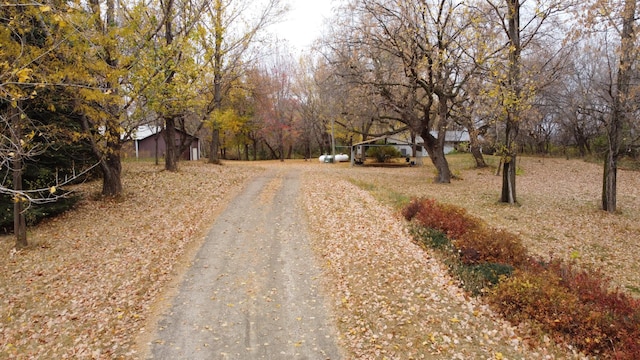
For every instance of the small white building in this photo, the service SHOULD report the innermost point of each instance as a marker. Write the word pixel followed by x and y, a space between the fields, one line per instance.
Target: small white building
pixel 452 140
pixel 403 143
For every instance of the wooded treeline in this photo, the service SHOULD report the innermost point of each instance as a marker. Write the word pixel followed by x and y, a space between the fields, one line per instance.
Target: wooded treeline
pixel 545 77
pixel 78 78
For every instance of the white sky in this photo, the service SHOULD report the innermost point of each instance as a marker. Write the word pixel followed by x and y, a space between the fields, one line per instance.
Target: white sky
pixel 303 24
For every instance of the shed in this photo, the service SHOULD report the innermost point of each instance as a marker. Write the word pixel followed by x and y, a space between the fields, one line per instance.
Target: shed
pixel 149 143
pixel 405 148
pixel 451 141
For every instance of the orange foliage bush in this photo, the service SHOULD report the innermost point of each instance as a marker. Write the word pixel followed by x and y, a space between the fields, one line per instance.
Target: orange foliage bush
pixel 576 306
pixel 493 246
pixel 528 296
pixel 451 220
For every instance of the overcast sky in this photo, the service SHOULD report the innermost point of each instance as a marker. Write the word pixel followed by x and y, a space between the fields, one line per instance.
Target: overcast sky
pixel 303 23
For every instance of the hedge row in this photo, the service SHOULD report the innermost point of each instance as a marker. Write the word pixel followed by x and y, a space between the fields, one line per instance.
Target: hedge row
pixel 573 305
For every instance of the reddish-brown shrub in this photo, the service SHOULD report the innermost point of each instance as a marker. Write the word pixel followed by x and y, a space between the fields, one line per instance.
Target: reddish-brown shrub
pixel 572 305
pixel 614 313
pixel 451 220
pixel 575 306
pixel 490 245
pixel 411 209
pixel 537 297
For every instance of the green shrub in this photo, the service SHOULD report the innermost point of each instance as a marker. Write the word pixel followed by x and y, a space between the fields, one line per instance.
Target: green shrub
pixel 35 213
pixel 383 153
pixel 430 238
pixel 492 272
pixel 476 279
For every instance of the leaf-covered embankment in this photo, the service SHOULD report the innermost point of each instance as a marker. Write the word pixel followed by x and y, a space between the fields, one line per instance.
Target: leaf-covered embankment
pixel 86 285
pixel 392 298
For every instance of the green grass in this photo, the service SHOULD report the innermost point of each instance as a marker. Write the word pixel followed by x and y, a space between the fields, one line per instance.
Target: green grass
pixel 383 194
pixel 633 289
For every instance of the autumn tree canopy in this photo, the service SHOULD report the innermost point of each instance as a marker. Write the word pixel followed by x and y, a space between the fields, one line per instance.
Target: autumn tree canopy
pixel 543 76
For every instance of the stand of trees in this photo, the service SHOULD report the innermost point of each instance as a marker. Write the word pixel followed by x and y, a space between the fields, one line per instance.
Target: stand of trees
pixel 527 76
pixel 543 76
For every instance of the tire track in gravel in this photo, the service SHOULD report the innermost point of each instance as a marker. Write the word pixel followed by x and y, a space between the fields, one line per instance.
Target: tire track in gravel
pixel 252 291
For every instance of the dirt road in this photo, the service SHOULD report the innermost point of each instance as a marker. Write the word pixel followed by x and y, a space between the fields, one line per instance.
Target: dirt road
pixel 252 291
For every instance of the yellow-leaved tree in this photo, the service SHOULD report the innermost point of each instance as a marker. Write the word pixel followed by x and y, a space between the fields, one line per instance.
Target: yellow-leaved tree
pixel 229 33
pixel 39 67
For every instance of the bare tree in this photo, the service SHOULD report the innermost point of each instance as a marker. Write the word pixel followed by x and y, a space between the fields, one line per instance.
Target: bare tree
pixel 622 103
pixel 278 106
pixel 580 97
pixel 522 23
pixel 412 54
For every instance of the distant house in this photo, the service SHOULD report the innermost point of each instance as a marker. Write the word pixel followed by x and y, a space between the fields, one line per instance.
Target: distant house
pixel 149 142
pixel 404 146
pixel 452 140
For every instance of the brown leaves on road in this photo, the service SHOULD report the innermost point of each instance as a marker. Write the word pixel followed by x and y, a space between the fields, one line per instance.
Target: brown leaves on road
pixel 84 287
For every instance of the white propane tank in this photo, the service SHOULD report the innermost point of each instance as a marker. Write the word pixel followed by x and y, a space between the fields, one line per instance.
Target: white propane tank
pixel 331 158
pixel 342 157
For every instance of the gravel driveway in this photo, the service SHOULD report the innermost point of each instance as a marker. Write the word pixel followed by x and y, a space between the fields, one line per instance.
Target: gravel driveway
pixel 252 291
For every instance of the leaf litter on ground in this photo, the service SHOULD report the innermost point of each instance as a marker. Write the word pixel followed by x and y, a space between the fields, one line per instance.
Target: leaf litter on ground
pixel 88 284
pixel 394 299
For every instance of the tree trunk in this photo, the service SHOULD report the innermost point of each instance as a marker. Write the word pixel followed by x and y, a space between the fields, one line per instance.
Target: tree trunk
pixel 214 156
pixel 217 81
pixel 281 145
pixel 274 153
pixel 171 154
pixel 508 194
pixel 435 149
pixel 111 175
pixel 514 94
pixel 111 163
pixel 307 149
pixel 255 149
pixel 112 170
pixel 435 146
pixel 509 180
pixel 477 156
pixel 19 221
pixel 109 155
pixel 609 183
pixel 474 145
pixel 620 109
pixel 157 157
